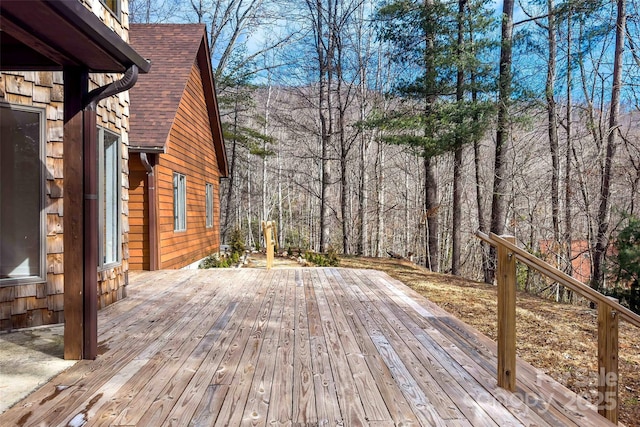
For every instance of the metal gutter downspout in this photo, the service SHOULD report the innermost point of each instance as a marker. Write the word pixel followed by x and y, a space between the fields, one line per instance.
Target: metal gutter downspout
pixel 151 201
pixel 90 179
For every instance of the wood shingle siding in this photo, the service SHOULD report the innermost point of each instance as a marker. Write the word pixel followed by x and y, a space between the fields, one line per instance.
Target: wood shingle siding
pixel 34 304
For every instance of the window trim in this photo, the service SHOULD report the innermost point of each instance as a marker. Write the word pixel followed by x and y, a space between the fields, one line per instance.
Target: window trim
pixel 208 195
pixel 117 14
pixel 101 202
pixel 42 277
pixel 179 200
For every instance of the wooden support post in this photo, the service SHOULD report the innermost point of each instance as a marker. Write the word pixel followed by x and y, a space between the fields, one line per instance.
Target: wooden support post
pixel 75 89
pixel 91 235
pixel 506 317
pixel 608 362
pixel 268 231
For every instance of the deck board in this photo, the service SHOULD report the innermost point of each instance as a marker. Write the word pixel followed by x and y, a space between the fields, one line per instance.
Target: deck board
pixel 315 347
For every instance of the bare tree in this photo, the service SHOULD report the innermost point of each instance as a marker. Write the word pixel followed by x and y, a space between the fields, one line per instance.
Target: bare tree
pixel 152 11
pixel 601 238
pixel 499 200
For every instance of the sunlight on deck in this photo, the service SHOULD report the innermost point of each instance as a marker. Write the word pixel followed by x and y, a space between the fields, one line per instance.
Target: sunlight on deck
pixel 304 346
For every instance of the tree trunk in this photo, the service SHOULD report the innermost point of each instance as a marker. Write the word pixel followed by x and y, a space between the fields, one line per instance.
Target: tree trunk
pixel 265 131
pixel 407 164
pixel 344 147
pixel 281 229
pixel 602 241
pixel 456 221
pixel 552 128
pixel 457 162
pixel 363 194
pixel 324 49
pixel 250 239
pixel 431 208
pixel 552 123
pixel 380 206
pixel 232 167
pixel 568 224
pixel 431 182
pixel 499 201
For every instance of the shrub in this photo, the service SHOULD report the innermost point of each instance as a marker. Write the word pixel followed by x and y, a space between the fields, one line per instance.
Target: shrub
pixel 237 242
pixel 330 259
pixel 216 261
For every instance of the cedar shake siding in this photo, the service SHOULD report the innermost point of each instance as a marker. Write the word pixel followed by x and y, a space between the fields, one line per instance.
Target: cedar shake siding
pixel 175 124
pixel 41 302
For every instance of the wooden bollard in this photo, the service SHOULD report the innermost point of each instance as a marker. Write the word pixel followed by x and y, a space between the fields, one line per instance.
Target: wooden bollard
pixel 269 241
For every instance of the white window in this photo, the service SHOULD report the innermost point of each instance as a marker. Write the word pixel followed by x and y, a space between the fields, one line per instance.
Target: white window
pixel 109 172
pixel 22 216
pixel 209 203
pixel 179 202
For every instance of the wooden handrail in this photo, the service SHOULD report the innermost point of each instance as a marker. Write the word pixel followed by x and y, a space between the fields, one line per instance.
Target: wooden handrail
pixel 561 277
pixel 609 312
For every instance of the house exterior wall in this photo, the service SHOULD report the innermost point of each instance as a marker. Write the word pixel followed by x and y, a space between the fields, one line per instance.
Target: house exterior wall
pixel 139 256
pixel 190 152
pixel 35 304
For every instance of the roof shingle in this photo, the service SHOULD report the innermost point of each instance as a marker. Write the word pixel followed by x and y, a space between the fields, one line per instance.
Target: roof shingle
pixel 172 50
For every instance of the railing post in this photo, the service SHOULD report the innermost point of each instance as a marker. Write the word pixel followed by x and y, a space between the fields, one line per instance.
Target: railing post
pixel 608 362
pixel 506 317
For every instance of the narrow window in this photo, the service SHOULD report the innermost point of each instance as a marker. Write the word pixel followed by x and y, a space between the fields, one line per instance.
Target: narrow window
pixel 109 171
pixel 22 217
pixel 179 202
pixel 113 6
pixel 209 204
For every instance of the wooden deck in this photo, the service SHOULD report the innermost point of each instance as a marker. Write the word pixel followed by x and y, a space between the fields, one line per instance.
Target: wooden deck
pixel 294 347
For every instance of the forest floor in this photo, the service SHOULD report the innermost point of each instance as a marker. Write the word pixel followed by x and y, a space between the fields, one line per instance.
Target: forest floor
pixel 559 339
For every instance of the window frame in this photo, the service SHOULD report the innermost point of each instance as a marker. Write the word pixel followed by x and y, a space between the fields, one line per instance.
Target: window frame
pixel 102 264
pixel 179 202
pixel 42 156
pixel 116 13
pixel 208 194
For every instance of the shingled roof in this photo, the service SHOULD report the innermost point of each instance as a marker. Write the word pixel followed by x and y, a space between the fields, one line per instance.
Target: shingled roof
pixel 172 50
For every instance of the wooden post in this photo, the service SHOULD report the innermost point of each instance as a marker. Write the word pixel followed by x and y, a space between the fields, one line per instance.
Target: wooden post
pixel 91 235
pixel 608 362
pixel 267 231
pixel 506 317
pixel 75 89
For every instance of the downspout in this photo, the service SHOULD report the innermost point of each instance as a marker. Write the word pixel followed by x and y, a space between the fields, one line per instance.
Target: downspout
pixel 151 200
pixel 90 178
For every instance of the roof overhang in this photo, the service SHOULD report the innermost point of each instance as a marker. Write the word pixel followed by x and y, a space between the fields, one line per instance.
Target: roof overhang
pixel 215 122
pixel 48 35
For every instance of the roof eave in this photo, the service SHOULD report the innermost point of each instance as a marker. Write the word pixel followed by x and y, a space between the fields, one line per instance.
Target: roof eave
pixel 204 63
pixel 150 150
pixel 73 36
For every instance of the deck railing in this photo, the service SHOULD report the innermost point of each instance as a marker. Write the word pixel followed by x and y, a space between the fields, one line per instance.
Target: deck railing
pixel 609 313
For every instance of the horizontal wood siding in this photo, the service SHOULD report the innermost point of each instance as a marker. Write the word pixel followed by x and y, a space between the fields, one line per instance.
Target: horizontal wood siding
pixel 138 215
pixel 190 151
